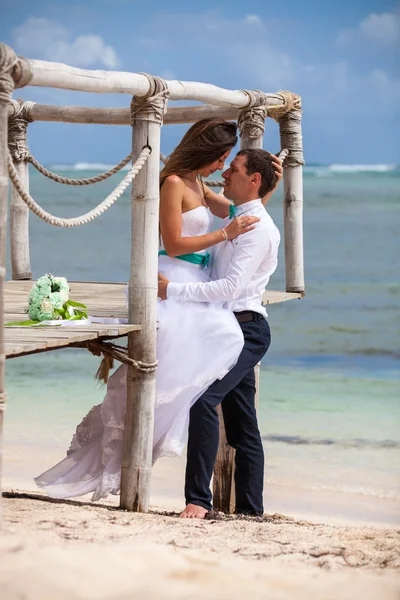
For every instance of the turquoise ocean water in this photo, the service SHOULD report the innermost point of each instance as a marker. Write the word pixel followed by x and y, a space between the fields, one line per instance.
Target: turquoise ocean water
pixel 330 393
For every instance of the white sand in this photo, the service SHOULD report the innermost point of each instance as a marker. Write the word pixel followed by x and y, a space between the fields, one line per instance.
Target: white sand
pixel 67 550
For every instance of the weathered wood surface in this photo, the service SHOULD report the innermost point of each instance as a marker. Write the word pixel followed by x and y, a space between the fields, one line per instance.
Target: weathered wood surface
pixel 19 227
pixel 141 386
pixel 59 75
pixel 122 116
pixel 102 300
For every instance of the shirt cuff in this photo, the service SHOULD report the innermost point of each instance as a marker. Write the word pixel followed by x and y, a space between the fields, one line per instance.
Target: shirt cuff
pixel 173 289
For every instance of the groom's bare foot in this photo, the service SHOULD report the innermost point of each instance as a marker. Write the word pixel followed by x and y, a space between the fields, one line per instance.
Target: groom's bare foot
pixel 192 511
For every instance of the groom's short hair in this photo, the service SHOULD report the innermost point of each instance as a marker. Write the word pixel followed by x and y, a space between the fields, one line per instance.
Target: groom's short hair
pixel 260 161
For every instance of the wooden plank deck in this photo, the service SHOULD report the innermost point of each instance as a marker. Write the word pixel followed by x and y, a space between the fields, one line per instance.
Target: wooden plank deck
pixel 101 299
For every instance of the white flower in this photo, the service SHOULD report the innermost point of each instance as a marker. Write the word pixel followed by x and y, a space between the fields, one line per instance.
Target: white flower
pixel 56 300
pixel 46 310
pixel 64 296
pixel 62 283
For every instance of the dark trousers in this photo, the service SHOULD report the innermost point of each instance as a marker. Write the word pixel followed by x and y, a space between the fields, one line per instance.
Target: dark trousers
pixel 236 392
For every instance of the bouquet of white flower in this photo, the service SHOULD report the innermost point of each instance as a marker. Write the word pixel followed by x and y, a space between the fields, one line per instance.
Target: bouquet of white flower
pixel 49 301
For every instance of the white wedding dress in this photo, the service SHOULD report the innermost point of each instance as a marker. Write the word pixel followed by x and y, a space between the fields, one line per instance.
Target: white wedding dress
pixel 197 343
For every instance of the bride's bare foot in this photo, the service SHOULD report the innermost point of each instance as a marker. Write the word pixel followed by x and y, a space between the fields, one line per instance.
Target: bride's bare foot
pixel 192 511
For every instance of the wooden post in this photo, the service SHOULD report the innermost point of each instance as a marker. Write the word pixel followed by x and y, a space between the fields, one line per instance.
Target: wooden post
pixel 251 136
pixel 7 61
pixel 291 138
pixel 19 212
pixel 139 423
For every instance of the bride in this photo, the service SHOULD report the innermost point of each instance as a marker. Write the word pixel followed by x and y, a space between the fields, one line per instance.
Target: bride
pixel 196 343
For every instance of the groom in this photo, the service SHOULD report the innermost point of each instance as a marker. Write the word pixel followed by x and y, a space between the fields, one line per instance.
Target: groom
pixel 241 270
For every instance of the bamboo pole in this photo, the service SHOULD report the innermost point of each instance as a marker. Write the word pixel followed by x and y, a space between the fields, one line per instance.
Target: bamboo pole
pixel 224 471
pixel 58 75
pixel 3 237
pixel 7 60
pixel 121 116
pixel 139 423
pixel 290 130
pixel 19 212
pixel 19 228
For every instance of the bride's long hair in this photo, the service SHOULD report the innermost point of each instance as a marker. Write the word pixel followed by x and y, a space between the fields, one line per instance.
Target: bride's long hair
pixel 205 141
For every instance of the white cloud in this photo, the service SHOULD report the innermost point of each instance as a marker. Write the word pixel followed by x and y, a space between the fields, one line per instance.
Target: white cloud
pixel 253 56
pixel 49 40
pixel 254 21
pixel 383 29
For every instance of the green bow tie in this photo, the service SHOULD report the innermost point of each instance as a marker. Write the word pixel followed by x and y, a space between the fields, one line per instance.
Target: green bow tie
pixel 232 211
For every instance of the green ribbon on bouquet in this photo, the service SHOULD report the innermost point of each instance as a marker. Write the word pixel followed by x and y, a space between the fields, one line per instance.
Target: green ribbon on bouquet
pixel 79 312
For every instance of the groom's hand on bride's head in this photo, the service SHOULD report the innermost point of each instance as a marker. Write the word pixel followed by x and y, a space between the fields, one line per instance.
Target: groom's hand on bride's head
pixel 162 286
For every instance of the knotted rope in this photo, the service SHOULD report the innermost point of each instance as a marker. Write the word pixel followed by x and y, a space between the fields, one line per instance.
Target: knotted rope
pixel 111 351
pixel 17 129
pixel 258 98
pixel 152 106
pixel 291 103
pixel 253 121
pixel 287 114
pixel 252 117
pixel 15 72
pixel 8 60
pixel 87 217
pixel 291 137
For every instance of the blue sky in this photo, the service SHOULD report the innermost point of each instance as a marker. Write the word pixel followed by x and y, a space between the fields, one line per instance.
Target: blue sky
pixel 341 56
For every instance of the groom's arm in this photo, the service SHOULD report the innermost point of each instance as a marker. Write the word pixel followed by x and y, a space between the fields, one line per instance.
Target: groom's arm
pixel 250 250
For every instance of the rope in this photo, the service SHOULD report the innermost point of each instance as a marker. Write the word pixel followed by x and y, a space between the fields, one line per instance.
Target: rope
pixel 152 106
pixel 84 181
pixel 214 183
pixel 291 103
pixel 8 60
pixel 253 120
pixel 17 129
pixel 291 138
pixel 110 352
pixel 87 217
pixel 18 146
pixel 257 98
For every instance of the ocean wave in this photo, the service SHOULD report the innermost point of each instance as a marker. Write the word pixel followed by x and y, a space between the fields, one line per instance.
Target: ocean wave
pixel 345 443
pixel 317 170
pixel 344 169
pixel 85 166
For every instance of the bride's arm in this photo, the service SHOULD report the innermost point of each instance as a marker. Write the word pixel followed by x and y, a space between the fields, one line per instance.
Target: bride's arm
pixel 171 201
pixel 217 203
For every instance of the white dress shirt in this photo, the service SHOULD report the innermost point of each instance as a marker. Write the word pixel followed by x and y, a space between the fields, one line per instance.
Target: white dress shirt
pixel 241 268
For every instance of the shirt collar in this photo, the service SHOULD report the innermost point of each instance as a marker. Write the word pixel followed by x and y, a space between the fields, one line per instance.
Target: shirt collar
pixel 247 206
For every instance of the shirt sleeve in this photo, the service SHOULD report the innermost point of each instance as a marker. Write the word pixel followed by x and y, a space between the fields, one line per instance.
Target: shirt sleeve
pixel 250 249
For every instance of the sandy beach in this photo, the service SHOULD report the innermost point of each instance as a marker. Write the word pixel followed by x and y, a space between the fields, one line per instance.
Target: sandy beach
pixel 78 550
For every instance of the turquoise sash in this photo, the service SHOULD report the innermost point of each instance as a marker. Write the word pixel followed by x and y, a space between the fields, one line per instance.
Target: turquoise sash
pixel 195 258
